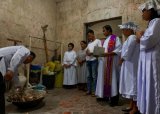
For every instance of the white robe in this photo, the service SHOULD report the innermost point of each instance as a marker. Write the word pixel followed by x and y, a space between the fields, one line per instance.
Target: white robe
pixel 115 70
pixel 82 69
pixel 148 97
pixel 128 77
pixel 70 77
pixel 12 57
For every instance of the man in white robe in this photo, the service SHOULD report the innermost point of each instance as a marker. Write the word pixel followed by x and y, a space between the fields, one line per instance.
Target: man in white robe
pixel 10 58
pixel 115 69
pixel 69 63
pixel 148 97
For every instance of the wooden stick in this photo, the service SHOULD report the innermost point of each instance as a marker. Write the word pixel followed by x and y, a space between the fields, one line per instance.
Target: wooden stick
pixel 45 47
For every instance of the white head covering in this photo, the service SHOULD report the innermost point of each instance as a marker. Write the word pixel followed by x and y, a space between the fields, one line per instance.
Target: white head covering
pixel 147 5
pixel 129 25
pixel 151 4
pixel 157 4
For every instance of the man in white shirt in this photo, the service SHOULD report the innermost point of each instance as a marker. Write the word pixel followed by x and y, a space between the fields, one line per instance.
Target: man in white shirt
pixel 92 62
pixel 10 58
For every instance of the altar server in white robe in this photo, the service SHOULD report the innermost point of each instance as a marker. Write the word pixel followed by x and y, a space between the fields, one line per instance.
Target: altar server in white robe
pixel 148 97
pixel 108 68
pixel 10 58
pixel 129 61
pixel 69 63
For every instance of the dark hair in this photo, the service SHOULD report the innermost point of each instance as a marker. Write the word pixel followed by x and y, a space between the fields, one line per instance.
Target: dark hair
pixel 108 28
pixel 154 13
pixel 84 42
pixel 90 31
pixel 71 45
pixel 33 54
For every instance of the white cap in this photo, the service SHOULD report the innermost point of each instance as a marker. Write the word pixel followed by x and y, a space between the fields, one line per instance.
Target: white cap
pixel 157 3
pixel 147 5
pixel 129 25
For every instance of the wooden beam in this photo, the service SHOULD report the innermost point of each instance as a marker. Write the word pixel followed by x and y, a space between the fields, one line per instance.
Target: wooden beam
pixel 13 40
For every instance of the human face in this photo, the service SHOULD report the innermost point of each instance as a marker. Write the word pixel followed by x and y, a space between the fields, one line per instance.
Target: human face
pixel 70 47
pixel 146 15
pixel 83 45
pixel 29 59
pixel 106 32
pixel 127 32
pixel 90 36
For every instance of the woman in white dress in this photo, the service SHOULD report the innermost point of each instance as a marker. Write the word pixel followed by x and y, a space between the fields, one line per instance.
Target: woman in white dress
pixel 129 62
pixel 81 66
pixel 148 97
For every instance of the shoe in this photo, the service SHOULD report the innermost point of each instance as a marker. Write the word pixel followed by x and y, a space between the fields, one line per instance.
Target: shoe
pixel 106 98
pixel 112 105
pixel 88 93
pixel 126 113
pixel 137 112
pixel 93 94
pixel 100 99
pixel 127 109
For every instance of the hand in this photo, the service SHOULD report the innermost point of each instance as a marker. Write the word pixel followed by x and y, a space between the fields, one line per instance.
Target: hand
pixel 79 61
pixel 88 53
pixel 65 66
pixel 121 61
pixel 137 40
pixel 139 34
pixel 9 75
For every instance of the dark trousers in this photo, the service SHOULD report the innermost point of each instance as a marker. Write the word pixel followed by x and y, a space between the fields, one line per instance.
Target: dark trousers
pixel 2 98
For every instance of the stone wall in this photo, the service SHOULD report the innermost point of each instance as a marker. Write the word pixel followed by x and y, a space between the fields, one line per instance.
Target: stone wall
pixel 73 14
pixel 21 18
pixel 66 20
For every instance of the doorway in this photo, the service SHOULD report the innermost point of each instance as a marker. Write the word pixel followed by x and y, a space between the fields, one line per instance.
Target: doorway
pixel 97 26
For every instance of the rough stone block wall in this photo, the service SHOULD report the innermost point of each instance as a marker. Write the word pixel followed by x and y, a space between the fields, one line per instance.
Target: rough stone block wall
pixel 73 14
pixel 21 18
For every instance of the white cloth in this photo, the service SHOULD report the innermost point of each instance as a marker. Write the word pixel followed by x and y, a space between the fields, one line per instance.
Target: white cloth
pixel 82 69
pixel 70 77
pixel 12 57
pixel 115 70
pixel 148 97
pixel 128 77
pixel 129 25
pixel 90 47
pixel 157 3
pixel 147 5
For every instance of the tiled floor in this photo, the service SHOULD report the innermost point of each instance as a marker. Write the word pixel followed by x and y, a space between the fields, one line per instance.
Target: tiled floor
pixel 68 101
